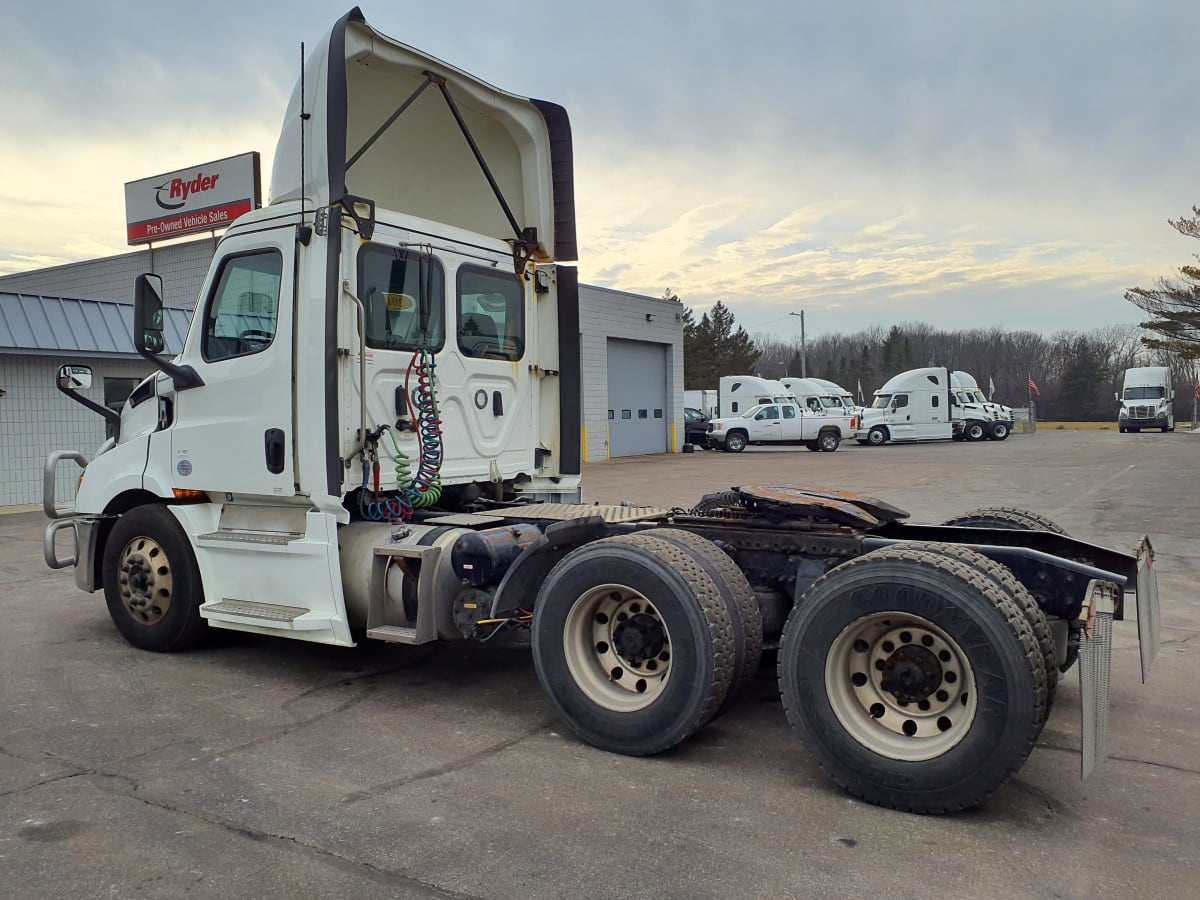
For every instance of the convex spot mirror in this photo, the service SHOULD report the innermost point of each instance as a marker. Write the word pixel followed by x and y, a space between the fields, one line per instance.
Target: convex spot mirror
pixel 148 314
pixel 74 378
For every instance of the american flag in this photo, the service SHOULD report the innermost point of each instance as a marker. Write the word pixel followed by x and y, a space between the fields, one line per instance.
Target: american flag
pixel 1033 387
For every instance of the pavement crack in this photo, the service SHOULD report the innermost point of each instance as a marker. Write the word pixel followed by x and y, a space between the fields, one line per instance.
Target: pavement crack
pixel 1074 751
pixel 454 765
pixel 122 786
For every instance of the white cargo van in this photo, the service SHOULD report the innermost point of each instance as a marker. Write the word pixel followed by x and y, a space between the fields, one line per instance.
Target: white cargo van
pixel 1147 400
pixel 911 406
pixel 703 400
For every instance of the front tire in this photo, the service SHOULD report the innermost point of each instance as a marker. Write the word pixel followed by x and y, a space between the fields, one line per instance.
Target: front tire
pixel 736 442
pixel 151 582
pixel 999 431
pixel 914 681
pixel 973 431
pixel 877 436
pixel 633 643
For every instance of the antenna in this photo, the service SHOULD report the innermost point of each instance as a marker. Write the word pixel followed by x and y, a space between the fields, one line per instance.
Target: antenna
pixel 304 232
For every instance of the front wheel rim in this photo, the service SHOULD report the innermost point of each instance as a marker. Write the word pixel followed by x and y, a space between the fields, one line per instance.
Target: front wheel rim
pixel 617 648
pixel 144 580
pixel 900 686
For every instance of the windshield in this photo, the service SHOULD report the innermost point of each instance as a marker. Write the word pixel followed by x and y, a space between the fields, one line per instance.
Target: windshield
pixel 848 401
pixel 1144 393
pixel 831 403
pixel 979 398
pixel 881 401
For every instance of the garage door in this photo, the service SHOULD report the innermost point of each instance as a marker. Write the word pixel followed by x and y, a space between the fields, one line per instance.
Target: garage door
pixel 637 398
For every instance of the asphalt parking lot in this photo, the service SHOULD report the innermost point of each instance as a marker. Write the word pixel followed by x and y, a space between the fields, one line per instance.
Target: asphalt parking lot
pixel 264 768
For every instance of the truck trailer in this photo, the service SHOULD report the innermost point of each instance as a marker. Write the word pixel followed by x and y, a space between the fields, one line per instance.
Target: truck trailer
pixel 372 433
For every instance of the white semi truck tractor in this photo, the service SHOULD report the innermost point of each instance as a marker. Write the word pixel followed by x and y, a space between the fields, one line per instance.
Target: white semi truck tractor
pixel 1147 400
pixel 372 432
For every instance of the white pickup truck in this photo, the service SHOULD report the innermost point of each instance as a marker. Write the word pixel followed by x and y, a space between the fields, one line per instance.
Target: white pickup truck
pixel 784 422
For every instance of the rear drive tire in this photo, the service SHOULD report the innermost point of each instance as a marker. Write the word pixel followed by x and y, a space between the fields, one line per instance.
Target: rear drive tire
pixel 744 612
pixel 633 643
pixel 1013 517
pixel 151 581
pixel 1003 576
pixel 914 681
pixel 828 441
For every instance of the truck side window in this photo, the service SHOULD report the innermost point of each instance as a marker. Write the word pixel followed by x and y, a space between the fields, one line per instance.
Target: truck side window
pixel 901 400
pixel 491 313
pixel 244 309
pixel 789 412
pixel 936 399
pixel 768 412
pixel 390 284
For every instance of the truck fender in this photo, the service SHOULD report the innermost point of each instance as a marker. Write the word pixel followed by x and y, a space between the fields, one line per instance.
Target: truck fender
pixel 520 584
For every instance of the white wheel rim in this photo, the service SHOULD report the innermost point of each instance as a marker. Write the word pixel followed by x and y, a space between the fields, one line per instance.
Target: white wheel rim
pixel 617 648
pixel 901 686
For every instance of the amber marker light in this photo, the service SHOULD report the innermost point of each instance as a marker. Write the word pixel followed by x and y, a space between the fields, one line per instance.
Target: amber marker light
pixel 189 494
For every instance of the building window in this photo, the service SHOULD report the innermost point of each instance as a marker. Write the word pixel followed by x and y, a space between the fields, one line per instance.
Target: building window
pixel 658 414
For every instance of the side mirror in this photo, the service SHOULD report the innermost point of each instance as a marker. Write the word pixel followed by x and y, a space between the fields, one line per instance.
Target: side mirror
pixel 1117 397
pixel 148 315
pixel 148 337
pixel 74 378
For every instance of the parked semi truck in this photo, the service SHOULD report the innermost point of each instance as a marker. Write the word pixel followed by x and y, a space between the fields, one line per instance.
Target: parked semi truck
pixel 737 393
pixel 372 433
pixel 1147 400
pixel 821 398
pixel 975 416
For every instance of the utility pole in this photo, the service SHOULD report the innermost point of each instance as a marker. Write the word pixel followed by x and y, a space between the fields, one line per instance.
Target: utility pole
pixel 803 361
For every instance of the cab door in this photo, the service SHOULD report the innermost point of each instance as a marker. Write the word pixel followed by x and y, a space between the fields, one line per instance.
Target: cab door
pixel 234 434
pixel 766 425
pixel 900 416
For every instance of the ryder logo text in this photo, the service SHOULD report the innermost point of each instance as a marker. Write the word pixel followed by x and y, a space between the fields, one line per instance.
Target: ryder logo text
pixel 177 189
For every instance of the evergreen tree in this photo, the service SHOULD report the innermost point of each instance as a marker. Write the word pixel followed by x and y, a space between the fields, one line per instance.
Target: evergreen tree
pixel 715 346
pixel 1174 305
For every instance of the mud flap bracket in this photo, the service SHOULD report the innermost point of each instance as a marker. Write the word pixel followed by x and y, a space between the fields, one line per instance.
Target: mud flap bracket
pixel 1095 672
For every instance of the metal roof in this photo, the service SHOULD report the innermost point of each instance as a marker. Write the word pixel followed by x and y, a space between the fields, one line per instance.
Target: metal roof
pixel 33 324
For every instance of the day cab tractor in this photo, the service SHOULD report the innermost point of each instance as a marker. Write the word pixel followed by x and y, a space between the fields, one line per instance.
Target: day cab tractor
pixel 372 432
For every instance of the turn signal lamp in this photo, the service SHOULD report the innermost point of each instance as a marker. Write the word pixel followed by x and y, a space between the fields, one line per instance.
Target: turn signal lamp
pixel 189 494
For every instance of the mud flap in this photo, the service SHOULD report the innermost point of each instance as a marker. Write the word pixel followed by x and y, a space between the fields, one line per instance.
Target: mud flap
pixel 1147 605
pixel 1095 672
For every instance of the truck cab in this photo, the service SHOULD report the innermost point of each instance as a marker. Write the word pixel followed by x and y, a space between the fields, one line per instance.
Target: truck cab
pixel 911 406
pixel 1147 400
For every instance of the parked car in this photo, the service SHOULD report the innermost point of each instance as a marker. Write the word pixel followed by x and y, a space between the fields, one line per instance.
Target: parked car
pixel 695 427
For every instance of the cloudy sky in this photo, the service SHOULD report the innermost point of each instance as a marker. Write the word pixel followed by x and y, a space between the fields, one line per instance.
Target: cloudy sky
pixel 960 163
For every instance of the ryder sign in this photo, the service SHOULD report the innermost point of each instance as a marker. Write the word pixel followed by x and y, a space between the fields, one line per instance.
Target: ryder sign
pixel 200 198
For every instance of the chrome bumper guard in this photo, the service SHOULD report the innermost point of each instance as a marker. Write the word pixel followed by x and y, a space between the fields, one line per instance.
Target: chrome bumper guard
pixel 1095 651
pixel 83 547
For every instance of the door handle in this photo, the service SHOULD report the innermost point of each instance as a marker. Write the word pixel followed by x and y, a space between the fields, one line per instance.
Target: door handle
pixel 273 446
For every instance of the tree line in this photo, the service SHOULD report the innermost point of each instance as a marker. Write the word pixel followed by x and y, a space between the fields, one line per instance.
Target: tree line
pixel 1076 373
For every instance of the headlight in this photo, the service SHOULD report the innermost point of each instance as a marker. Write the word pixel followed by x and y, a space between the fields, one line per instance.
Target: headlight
pixel 1123 414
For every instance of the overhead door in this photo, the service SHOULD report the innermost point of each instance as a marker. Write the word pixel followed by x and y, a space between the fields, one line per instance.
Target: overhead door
pixel 637 398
